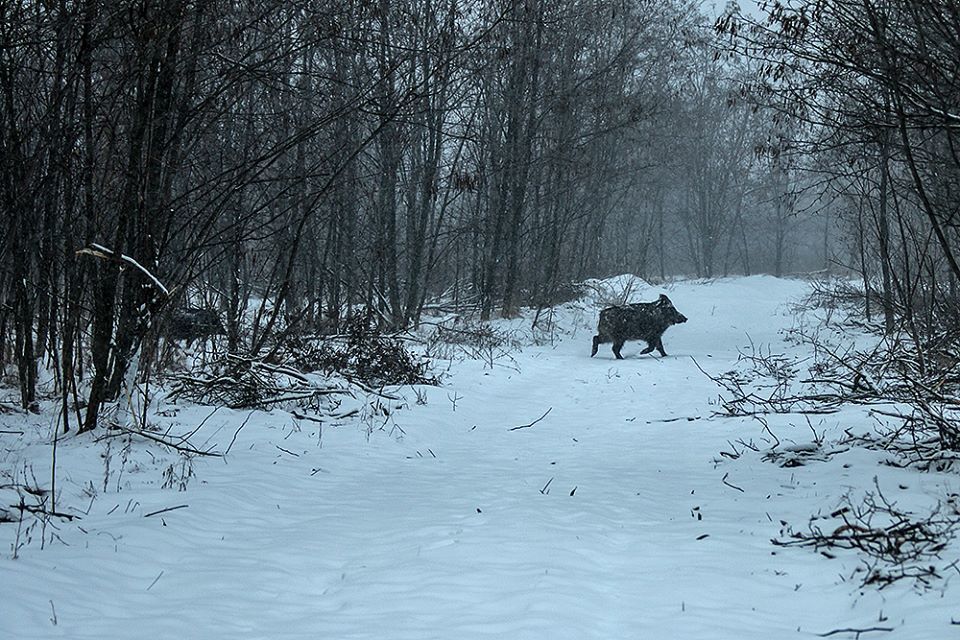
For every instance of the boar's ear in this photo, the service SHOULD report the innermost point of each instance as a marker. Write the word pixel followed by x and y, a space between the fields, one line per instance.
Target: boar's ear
pixel 663 298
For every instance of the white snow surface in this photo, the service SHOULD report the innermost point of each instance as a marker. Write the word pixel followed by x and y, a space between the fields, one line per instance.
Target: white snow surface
pixel 608 518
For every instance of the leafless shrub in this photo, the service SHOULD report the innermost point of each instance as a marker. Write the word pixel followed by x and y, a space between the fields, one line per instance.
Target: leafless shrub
pixel 921 388
pixel 362 354
pixel 896 435
pixel 240 383
pixel 918 389
pixel 766 382
pixel 800 455
pixel 893 544
pixel 477 336
pixel 557 295
pixel 607 294
pixel 474 341
pixel 545 329
pixel 178 474
pixel 832 294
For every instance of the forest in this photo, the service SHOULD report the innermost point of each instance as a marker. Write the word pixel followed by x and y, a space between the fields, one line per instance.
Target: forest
pixel 198 191
pixel 287 163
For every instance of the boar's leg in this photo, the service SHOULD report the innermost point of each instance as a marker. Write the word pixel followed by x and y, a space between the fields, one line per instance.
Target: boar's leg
pixel 659 346
pixel 617 345
pixel 596 345
pixel 650 347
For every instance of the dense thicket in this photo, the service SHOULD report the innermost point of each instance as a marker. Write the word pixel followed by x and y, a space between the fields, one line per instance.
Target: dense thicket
pixel 872 90
pixel 288 162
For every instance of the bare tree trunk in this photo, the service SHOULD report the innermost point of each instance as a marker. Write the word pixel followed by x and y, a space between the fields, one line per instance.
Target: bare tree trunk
pixel 883 232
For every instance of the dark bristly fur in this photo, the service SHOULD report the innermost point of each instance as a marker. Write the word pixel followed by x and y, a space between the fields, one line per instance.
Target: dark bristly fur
pixel 195 323
pixel 639 321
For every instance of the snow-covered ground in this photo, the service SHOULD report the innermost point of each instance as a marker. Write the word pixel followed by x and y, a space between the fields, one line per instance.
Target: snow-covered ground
pixel 613 516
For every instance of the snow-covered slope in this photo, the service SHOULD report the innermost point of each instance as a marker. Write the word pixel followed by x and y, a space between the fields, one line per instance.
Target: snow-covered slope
pixel 551 496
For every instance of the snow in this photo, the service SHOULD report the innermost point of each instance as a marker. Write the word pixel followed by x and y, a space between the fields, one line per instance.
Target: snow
pixel 612 517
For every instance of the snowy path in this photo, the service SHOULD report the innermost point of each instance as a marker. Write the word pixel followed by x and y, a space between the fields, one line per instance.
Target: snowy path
pixel 447 531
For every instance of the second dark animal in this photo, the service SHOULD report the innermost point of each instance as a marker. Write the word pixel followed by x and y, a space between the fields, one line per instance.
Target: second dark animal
pixel 639 321
pixel 194 323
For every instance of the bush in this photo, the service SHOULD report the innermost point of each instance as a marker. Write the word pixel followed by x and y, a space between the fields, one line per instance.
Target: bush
pixel 364 355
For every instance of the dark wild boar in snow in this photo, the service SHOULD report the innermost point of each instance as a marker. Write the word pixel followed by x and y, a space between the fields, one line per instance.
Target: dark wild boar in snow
pixel 639 321
pixel 194 323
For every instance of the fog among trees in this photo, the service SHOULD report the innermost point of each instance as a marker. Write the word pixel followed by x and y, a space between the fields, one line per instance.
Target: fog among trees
pixel 292 164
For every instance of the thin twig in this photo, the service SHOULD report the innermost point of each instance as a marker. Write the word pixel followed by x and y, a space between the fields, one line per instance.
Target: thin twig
pixel 237 432
pixel 153 513
pixel 155 580
pixel 44 512
pixel 856 631
pixel 172 445
pixel 732 486
pixel 525 426
pixel 300 416
pixel 546 487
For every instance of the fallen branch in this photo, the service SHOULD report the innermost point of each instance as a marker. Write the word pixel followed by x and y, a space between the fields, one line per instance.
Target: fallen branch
pixel 732 486
pixel 856 631
pixel 300 416
pixel 155 580
pixel 526 426
pixel 153 513
pixel 173 445
pixel 44 512
pixel 895 544
pixel 368 389
pixel 345 414
pixel 546 487
pixel 237 432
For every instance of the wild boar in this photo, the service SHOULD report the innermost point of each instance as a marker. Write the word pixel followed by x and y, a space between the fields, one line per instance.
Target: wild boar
pixel 191 324
pixel 639 321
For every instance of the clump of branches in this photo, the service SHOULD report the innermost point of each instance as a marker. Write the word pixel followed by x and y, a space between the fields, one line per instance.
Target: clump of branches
pixel 556 295
pixel 361 354
pixel 471 337
pixel 764 383
pixel 904 438
pixel 835 294
pixel 925 345
pixel 476 341
pixel 613 293
pixel 178 474
pixel 892 543
pixel 307 372
pixel 920 382
pixel 916 388
pixel 798 455
pixel 31 508
pixel 249 383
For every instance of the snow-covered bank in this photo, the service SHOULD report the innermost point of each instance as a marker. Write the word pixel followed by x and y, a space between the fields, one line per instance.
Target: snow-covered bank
pixel 613 516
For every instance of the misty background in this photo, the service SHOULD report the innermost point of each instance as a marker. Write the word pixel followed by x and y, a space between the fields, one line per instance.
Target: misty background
pixel 291 164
